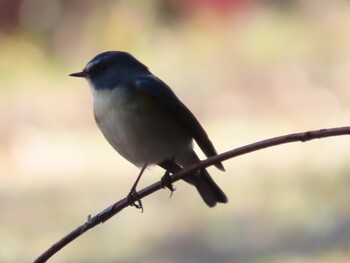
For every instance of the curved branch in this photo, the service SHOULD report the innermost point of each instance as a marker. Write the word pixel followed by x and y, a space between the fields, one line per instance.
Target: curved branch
pixel 120 205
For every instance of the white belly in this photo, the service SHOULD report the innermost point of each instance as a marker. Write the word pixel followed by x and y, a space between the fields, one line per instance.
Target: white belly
pixel 135 132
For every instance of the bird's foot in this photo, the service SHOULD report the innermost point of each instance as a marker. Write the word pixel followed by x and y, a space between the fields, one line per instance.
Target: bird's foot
pixel 134 200
pixel 166 182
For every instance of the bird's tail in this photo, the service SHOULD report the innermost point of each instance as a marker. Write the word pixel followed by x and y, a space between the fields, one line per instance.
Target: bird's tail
pixel 207 188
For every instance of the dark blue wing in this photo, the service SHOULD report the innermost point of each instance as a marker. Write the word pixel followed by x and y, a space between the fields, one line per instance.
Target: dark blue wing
pixel 160 92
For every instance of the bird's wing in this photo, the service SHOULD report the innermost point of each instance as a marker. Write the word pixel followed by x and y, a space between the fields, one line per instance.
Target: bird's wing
pixel 154 89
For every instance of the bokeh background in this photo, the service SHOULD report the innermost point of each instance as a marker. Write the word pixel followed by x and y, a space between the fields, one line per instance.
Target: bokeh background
pixel 248 69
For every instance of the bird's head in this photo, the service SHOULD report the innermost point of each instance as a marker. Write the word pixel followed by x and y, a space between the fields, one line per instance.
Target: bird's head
pixel 108 69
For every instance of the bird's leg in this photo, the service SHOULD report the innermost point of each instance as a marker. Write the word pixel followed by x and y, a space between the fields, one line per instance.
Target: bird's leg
pixel 133 198
pixel 169 166
pixel 166 182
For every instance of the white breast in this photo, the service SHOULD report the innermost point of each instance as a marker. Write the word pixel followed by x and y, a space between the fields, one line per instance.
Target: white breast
pixel 139 135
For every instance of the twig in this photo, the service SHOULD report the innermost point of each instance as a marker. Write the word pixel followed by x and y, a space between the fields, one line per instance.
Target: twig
pixel 120 205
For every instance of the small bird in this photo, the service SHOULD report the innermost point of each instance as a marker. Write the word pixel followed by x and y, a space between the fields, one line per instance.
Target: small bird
pixel 144 121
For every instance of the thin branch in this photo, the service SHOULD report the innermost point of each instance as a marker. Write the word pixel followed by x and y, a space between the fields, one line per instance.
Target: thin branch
pixel 120 205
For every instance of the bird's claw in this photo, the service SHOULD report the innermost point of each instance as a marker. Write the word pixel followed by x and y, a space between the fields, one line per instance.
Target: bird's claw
pixel 134 200
pixel 166 183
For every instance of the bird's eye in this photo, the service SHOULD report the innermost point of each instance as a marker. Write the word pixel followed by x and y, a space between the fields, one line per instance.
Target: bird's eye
pixel 97 68
pixel 101 66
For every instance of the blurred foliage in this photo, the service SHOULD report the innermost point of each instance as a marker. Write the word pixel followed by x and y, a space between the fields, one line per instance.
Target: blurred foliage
pixel 249 69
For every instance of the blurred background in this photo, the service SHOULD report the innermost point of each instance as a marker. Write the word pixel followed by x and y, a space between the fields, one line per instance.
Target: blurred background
pixel 248 69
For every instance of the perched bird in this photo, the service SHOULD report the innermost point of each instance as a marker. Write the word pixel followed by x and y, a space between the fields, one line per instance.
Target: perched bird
pixel 144 121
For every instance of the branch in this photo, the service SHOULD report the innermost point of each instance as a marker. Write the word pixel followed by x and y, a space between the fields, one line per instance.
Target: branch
pixel 120 205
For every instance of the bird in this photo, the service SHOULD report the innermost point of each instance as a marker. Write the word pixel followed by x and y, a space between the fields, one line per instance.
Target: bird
pixel 145 122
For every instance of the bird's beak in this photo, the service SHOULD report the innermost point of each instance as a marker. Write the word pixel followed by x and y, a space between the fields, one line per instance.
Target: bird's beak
pixel 82 74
